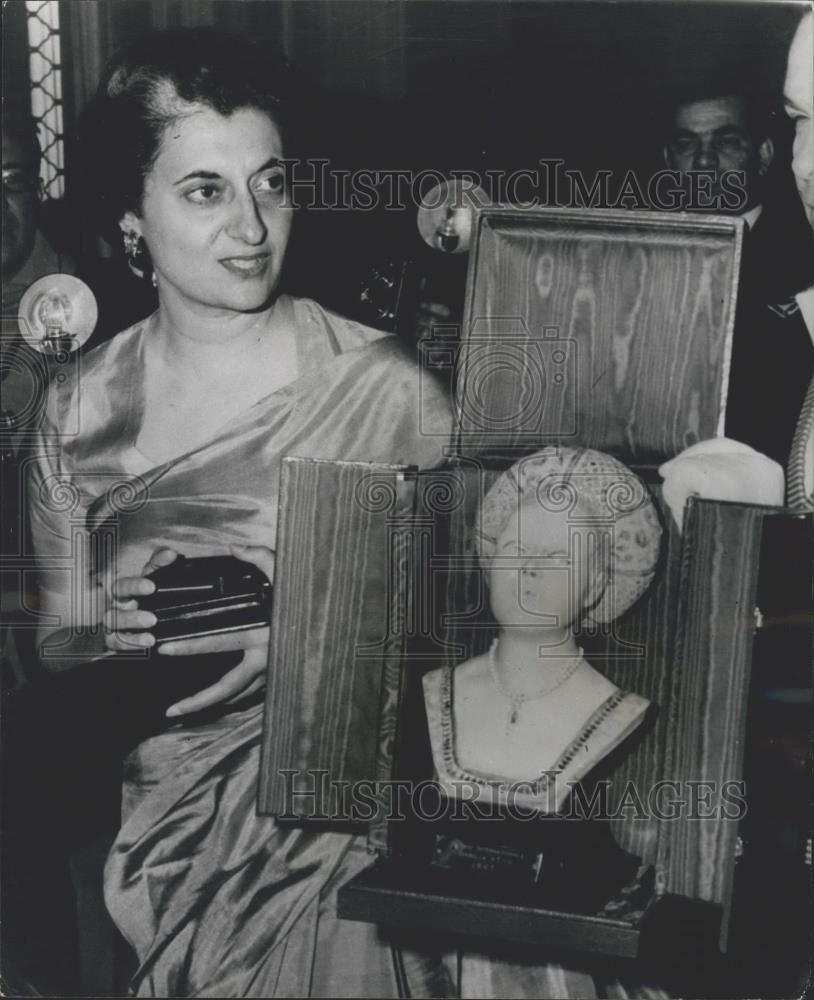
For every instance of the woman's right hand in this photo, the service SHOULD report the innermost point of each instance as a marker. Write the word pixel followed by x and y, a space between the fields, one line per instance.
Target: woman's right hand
pixel 244 679
pixel 123 614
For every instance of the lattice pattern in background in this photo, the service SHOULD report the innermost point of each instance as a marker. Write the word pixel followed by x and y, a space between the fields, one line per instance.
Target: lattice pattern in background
pixel 45 69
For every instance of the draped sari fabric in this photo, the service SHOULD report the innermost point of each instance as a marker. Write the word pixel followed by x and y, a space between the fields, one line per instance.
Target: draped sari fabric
pixel 216 900
pixel 357 398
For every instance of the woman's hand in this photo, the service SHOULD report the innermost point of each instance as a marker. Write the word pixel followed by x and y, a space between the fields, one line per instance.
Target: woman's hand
pixel 244 679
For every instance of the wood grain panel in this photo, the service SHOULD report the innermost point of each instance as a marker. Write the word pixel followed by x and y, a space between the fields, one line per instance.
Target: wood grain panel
pixel 708 714
pixel 450 616
pixel 607 329
pixel 337 630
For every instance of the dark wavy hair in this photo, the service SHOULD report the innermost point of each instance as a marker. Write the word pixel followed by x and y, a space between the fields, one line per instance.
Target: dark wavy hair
pixel 142 93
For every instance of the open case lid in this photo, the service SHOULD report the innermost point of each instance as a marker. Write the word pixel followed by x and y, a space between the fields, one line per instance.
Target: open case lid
pixel 606 329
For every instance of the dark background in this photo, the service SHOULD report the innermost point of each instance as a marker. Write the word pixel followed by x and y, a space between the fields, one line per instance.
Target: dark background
pixel 456 86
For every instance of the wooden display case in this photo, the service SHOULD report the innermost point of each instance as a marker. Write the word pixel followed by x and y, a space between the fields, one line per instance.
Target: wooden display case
pixel 346 724
pixel 608 330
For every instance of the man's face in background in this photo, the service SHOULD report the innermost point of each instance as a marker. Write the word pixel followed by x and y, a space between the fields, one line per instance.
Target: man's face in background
pixel 716 135
pixel 20 202
pixel 799 98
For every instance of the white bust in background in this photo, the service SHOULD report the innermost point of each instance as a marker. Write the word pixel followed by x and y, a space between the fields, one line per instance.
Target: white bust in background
pixel 519 705
pixel 566 535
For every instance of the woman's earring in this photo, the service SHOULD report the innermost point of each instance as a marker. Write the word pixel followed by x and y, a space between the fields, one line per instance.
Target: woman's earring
pixel 131 247
pixel 138 256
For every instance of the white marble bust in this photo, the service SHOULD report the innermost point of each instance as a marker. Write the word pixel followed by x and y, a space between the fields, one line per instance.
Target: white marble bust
pixel 532 714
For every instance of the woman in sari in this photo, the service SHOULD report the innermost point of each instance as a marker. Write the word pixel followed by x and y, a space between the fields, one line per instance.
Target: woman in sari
pixel 170 442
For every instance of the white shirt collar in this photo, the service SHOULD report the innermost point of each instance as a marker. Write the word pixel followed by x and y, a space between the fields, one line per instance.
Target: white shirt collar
pixel 751 217
pixel 805 300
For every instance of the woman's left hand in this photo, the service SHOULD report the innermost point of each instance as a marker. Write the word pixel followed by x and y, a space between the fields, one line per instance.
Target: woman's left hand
pixel 250 674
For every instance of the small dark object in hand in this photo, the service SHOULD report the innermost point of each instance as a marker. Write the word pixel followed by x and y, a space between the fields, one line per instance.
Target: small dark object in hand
pixel 207 596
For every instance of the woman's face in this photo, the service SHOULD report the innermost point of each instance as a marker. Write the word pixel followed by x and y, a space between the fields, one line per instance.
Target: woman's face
pixel 539 573
pixel 215 216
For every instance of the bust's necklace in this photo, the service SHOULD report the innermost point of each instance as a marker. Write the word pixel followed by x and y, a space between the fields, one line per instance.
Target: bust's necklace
pixel 519 700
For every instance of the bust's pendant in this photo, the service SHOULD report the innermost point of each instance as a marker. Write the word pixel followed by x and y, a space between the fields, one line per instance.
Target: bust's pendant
pixel 514 713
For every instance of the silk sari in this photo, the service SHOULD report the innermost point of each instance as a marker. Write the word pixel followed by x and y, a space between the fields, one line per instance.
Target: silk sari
pixel 215 900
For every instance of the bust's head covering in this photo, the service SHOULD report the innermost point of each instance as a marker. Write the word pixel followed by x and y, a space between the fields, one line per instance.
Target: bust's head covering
pixel 599 493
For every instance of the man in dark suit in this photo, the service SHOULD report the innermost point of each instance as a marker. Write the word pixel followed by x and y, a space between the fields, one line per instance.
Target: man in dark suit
pixel 727 137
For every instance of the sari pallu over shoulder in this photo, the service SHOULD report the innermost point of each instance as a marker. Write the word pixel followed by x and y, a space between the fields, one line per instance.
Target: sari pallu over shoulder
pixel 358 397
pixel 214 899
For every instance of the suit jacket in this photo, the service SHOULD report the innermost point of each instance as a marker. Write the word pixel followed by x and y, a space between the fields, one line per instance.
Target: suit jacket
pixel 773 354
